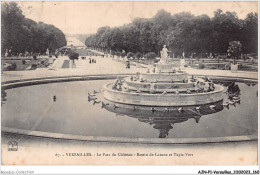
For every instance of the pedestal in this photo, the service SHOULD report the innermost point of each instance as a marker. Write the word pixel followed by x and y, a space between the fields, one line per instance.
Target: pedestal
pixel 234 67
pixel 72 65
pixel 182 62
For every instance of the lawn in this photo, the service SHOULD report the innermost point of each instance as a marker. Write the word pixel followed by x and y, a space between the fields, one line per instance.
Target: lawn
pixel 20 65
pixel 146 61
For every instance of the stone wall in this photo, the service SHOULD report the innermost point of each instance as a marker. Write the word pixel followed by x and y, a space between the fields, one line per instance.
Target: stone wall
pixel 158 86
pixel 176 77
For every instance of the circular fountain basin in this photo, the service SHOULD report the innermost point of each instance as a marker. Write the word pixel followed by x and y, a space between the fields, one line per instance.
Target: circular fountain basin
pixel 135 98
pixel 31 110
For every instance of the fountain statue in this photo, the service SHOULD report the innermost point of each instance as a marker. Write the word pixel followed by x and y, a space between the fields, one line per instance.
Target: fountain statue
pixel 164 86
pixel 164 55
pixel 165 64
pixel 47 52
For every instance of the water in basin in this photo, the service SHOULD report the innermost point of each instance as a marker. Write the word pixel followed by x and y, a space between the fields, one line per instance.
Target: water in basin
pixel 33 108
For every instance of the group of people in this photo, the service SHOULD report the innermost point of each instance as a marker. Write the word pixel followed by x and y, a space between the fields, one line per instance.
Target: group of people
pixel 92 60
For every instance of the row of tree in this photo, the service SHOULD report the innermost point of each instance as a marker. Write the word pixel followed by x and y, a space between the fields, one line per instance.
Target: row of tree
pixel 182 32
pixel 20 34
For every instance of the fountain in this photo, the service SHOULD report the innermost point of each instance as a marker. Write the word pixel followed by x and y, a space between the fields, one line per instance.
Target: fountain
pixel 162 101
pixel 164 85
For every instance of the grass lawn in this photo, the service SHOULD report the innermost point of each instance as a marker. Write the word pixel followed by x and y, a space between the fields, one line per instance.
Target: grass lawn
pixel 146 61
pixel 20 65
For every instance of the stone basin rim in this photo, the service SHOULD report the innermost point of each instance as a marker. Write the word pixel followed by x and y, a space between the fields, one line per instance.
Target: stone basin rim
pixel 52 135
pixel 220 89
pixel 45 80
pixel 112 76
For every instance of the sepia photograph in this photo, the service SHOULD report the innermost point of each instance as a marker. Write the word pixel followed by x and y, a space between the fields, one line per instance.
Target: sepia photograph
pixel 129 83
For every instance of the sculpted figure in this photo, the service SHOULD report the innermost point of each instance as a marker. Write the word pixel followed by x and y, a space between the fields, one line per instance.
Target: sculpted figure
pixel 164 54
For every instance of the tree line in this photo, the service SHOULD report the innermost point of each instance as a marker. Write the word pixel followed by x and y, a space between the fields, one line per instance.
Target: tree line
pixel 20 34
pixel 182 32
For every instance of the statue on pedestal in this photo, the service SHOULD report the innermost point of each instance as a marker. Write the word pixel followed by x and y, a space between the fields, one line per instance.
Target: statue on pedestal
pixel 152 88
pixel 164 54
pixel 47 52
pixel 6 52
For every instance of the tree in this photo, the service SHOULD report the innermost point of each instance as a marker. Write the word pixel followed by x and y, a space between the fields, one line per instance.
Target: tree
pixel 227 27
pixel 123 54
pixel 21 34
pixel 131 36
pixel 116 40
pixel 118 54
pixel 161 21
pixel 150 55
pixel 138 55
pixel 10 30
pixel 234 49
pixel 182 32
pixel 250 34
pixel 145 39
pixel 130 54
pixel 73 56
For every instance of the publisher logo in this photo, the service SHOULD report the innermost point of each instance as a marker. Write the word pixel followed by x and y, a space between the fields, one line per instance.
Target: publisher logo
pixel 12 146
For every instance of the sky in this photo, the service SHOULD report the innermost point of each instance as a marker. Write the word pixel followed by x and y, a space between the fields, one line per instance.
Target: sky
pixel 86 17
